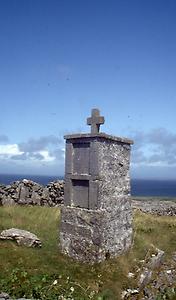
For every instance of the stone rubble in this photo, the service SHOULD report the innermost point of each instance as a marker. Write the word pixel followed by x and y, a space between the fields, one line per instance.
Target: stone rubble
pixel 155 276
pixel 155 207
pixel 27 192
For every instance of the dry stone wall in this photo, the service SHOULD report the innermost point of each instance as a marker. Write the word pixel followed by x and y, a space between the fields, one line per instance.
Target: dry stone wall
pixel 27 192
pixel 155 207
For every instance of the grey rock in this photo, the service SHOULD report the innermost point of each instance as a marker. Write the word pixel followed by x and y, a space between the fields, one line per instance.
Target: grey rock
pixel 27 192
pixel 144 278
pixel 7 200
pixel 128 293
pixel 148 294
pixel 22 237
pixel 156 259
pixel 174 256
pixel 154 262
pixel 4 296
pixel 156 207
pixel 156 276
pixel 35 198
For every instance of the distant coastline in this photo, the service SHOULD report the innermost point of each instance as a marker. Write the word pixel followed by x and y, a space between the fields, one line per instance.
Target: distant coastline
pixel 139 187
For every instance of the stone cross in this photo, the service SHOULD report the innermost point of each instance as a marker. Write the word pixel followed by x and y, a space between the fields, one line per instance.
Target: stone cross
pixel 95 121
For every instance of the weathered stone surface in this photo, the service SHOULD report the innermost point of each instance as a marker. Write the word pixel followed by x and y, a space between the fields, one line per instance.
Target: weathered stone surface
pixel 94 235
pixel 80 234
pixel 114 163
pixel 109 198
pixel 155 276
pixel 27 192
pixel 144 278
pixel 156 259
pixel 22 237
pixel 100 135
pixel 97 188
pixel 95 121
pixel 5 296
pixel 153 262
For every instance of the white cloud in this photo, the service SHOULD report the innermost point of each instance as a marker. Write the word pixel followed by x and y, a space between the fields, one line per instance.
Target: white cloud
pixel 155 148
pixel 12 151
pixel 46 156
pixel 36 145
pixel 9 150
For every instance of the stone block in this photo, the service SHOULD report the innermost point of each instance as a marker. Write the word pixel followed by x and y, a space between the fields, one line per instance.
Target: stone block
pixel 99 233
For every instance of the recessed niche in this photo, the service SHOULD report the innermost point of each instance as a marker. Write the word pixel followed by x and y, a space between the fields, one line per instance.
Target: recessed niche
pixel 81 157
pixel 80 193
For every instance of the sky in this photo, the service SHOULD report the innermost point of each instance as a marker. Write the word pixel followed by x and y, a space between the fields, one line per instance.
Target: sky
pixel 61 58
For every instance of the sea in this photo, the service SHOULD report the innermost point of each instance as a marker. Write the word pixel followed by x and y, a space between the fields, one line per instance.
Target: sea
pixel 139 187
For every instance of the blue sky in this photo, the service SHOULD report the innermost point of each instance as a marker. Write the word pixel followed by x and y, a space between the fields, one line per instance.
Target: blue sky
pixel 59 59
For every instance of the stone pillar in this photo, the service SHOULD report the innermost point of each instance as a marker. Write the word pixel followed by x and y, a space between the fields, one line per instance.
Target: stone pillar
pixel 96 219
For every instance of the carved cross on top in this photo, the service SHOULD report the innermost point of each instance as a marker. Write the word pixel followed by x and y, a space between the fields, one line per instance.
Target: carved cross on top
pixel 95 120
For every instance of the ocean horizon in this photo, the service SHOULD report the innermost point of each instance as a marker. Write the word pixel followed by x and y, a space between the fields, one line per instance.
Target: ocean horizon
pixel 139 187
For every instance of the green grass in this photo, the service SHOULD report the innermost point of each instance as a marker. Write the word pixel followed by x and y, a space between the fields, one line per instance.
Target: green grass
pixel 32 272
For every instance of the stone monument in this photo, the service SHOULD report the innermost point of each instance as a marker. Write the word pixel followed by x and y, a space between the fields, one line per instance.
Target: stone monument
pixel 96 218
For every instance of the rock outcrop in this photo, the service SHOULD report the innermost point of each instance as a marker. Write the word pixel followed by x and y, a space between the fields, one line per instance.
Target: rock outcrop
pixel 22 237
pixel 27 192
pixel 155 277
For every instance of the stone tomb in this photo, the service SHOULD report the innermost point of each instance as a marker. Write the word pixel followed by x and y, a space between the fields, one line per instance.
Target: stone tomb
pixel 96 219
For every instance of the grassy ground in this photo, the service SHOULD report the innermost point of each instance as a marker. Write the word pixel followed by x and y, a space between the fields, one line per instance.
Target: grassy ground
pixel 46 274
